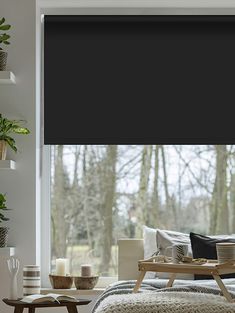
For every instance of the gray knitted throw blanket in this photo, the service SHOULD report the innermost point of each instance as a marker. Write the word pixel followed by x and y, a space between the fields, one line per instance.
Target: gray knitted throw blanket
pixel 184 297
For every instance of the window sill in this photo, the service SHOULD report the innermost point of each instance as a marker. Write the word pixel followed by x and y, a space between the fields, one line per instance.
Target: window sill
pixel 74 291
pixel 103 283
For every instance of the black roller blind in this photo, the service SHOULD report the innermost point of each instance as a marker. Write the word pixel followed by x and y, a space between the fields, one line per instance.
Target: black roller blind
pixel 139 79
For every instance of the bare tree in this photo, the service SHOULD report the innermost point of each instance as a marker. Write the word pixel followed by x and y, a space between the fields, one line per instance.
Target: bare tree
pixel 59 203
pixel 107 210
pixel 167 196
pixel 142 200
pixel 154 220
pixel 232 202
pixel 170 200
pixel 219 220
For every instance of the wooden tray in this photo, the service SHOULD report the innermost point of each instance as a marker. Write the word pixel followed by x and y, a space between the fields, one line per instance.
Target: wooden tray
pixel 212 268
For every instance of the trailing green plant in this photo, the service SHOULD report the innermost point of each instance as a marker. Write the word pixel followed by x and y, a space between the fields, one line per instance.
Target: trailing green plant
pixel 3 208
pixel 8 127
pixel 4 38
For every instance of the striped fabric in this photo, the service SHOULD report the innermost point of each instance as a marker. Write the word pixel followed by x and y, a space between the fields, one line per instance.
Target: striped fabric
pixel 31 280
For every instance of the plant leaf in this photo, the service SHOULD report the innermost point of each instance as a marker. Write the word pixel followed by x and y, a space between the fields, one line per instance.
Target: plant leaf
pixel 5 27
pixel 21 130
pixel 2 197
pixel 11 143
pixel 5 36
pixel 2 21
pixel 4 218
pixel 6 42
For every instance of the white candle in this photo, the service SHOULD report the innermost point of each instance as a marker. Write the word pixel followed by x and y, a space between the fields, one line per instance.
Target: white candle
pixel 62 267
pixel 67 271
pixel 86 270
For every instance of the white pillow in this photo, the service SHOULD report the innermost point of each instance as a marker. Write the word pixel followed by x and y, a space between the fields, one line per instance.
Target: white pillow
pixel 150 246
pixel 155 239
pixel 167 238
pixel 150 242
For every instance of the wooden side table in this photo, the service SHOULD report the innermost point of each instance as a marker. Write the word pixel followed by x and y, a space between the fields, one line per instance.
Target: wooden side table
pixel 20 306
pixel 211 268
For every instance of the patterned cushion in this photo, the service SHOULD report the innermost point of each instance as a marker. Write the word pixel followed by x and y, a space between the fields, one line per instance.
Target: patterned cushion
pixel 167 238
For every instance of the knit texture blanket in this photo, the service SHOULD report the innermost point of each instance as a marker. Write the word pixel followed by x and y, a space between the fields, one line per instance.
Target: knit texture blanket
pixel 154 297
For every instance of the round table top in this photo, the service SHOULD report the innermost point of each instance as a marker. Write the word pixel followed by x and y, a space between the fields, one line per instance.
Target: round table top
pixel 46 303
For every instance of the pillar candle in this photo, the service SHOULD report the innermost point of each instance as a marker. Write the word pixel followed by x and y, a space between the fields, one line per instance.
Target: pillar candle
pixel 62 267
pixel 67 271
pixel 86 270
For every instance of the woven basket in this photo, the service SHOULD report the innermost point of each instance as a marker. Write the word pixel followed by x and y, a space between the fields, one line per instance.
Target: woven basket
pixel 3 60
pixel 3 236
pixel 3 149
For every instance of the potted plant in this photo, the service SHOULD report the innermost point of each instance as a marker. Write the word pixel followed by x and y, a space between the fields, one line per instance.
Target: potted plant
pixel 4 40
pixel 3 229
pixel 8 127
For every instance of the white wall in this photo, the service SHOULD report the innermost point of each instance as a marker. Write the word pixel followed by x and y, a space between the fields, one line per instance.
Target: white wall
pixel 18 101
pixel 22 184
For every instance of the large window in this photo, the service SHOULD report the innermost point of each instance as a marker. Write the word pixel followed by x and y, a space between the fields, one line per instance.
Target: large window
pixel 102 193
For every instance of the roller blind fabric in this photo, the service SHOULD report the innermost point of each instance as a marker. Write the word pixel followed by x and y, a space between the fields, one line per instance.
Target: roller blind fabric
pixel 139 79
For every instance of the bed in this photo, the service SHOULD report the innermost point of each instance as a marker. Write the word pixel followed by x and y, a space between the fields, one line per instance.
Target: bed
pixel 186 296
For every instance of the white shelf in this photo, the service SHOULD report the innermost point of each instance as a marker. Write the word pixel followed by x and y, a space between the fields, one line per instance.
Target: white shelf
pixel 7 252
pixel 7 77
pixel 7 164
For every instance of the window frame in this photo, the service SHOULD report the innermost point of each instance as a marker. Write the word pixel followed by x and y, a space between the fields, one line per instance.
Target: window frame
pixel 105 7
pixel 45 216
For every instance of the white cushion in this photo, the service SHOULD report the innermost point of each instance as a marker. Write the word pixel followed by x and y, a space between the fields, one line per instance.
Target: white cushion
pixel 150 246
pixel 150 242
pixel 155 239
pixel 167 238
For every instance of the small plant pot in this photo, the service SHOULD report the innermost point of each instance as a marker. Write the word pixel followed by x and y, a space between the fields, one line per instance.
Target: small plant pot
pixel 3 60
pixel 3 149
pixel 4 236
pixel 61 282
pixel 85 282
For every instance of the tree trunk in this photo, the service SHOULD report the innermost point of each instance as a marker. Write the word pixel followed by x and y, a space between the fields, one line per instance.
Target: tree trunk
pixel 75 172
pixel 155 195
pixel 109 199
pixel 142 204
pixel 170 205
pixel 86 197
pixel 232 202
pixel 165 178
pixel 219 214
pixel 59 207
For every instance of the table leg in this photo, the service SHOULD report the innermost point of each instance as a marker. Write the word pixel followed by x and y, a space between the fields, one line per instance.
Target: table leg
pixel 31 310
pixel 171 280
pixel 72 308
pixel 223 288
pixel 139 281
pixel 18 309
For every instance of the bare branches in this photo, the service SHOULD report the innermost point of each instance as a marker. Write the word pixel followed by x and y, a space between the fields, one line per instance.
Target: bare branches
pixel 188 167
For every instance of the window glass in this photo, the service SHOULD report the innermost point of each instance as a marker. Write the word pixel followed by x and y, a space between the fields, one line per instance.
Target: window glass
pixel 100 193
